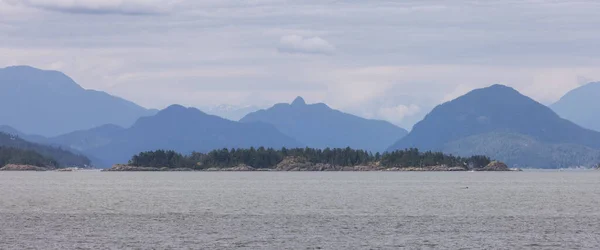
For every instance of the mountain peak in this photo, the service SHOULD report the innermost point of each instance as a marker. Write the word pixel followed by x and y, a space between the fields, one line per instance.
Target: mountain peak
pixel 179 110
pixel 299 101
pixel 492 109
pixel 317 125
pixel 21 67
pixel 59 101
pixel 500 87
pixel 579 105
pixel 175 107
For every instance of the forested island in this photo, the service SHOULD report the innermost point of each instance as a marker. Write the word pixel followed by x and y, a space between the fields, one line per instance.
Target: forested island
pixel 306 159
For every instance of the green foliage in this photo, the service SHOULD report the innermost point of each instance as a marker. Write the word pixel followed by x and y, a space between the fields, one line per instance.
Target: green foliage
pixel 17 156
pixel 413 158
pixel 159 159
pixel 269 158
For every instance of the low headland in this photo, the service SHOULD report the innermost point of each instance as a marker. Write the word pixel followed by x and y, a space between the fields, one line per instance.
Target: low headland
pixel 14 159
pixel 18 159
pixel 306 159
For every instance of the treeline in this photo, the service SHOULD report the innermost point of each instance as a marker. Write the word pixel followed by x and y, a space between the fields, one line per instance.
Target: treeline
pixel 17 156
pixel 63 157
pixel 269 158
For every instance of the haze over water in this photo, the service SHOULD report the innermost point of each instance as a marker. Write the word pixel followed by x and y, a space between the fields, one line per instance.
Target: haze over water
pixel 354 210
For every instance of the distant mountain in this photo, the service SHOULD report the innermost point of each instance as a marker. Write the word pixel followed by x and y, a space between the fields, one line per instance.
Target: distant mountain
pixel 50 103
pixel 64 157
pixel 32 138
pixel 175 128
pixel 82 140
pixel 319 126
pixel 505 125
pixel 581 106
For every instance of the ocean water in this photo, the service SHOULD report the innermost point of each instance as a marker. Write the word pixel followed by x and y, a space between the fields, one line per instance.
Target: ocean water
pixel 286 210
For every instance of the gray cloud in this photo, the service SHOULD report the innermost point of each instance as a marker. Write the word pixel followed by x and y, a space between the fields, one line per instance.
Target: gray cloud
pixel 97 7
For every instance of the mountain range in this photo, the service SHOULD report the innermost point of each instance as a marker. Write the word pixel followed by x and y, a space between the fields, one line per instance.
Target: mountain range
pixel 581 106
pixel 319 126
pixel 175 128
pixel 49 110
pixel 500 122
pixel 49 103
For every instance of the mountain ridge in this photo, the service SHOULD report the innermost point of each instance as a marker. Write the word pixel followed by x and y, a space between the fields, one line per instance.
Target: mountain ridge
pixel 59 102
pixel 501 110
pixel 317 125
pixel 579 105
pixel 184 130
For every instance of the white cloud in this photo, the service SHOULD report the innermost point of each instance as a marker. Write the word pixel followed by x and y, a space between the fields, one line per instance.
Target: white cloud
pixel 307 45
pixel 397 114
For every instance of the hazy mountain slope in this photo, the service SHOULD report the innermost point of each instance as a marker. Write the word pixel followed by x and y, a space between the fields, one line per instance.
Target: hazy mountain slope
pixel 184 130
pixel 518 150
pixel 82 140
pixel 50 103
pixel 581 106
pixel 319 126
pixel 506 125
pixel 31 138
pixel 63 157
pixel 495 108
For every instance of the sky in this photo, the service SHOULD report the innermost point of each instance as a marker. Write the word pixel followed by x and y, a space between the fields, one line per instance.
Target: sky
pixel 382 59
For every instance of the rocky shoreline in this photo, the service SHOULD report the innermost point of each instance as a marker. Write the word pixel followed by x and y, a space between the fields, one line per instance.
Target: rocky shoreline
pixel 288 165
pixel 15 167
pixel 294 165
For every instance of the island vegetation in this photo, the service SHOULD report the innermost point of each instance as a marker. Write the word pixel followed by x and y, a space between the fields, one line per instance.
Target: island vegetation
pixel 304 159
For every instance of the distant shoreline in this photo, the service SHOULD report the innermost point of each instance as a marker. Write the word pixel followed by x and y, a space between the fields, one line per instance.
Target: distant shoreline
pixel 319 168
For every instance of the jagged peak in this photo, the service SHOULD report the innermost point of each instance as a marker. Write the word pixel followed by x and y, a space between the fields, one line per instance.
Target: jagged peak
pixel 299 101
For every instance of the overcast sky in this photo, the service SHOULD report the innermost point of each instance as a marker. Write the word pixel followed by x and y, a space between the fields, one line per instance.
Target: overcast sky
pixel 392 60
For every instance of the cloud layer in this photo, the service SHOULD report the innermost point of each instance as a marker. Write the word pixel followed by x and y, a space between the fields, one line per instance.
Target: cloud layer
pixel 309 45
pixel 121 7
pixel 392 60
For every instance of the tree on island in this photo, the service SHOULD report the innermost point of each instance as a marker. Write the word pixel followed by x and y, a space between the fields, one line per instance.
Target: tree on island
pixel 268 158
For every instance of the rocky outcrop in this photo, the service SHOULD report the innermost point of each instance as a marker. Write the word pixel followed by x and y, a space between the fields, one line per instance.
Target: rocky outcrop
pixel 127 168
pixel 123 167
pixel 495 166
pixel 14 167
pixel 240 168
pixel 428 168
pixel 302 164
pixel 295 164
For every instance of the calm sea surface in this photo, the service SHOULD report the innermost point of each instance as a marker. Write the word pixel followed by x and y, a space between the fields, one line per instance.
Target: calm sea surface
pixel 358 210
